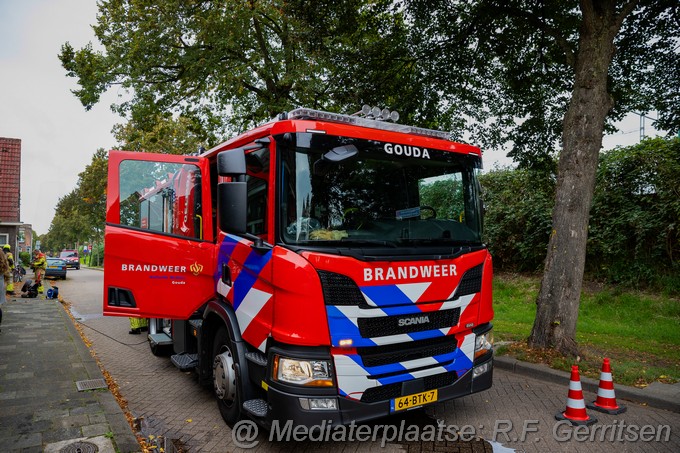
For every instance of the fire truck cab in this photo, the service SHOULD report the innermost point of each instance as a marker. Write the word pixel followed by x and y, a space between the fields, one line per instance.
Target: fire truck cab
pixel 319 265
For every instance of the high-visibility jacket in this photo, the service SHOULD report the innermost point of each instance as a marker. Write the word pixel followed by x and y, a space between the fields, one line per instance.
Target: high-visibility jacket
pixel 39 262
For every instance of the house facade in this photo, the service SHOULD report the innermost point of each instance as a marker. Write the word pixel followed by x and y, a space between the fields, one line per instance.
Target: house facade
pixel 12 230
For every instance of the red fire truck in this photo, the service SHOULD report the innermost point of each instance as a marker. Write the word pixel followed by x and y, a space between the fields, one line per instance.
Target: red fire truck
pixel 319 265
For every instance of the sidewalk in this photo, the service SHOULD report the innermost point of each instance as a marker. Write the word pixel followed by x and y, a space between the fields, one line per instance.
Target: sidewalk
pixel 43 363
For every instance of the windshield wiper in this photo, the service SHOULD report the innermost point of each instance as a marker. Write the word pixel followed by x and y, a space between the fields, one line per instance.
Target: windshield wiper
pixel 344 242
pixel 383 242
pixel 437 241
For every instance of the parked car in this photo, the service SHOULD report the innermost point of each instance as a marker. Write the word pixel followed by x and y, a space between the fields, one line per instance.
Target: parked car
pixel 56 267
pixel 71 257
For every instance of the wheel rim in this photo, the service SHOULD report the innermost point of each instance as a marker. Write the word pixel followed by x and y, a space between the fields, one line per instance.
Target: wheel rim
pixel 224 377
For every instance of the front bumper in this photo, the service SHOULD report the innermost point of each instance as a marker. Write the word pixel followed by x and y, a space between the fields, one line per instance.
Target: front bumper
pixel 285 405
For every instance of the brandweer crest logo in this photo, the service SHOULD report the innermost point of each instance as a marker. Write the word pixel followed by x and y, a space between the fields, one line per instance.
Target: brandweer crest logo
pixel 196 268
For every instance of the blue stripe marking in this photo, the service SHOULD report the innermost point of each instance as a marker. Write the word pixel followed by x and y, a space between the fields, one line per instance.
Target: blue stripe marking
pixel 461 364
pixel 424 335
pixel 226 249
pixel 381 369
pixel 385 295
pixel 249 275
pixel 403 310
pixel 341 328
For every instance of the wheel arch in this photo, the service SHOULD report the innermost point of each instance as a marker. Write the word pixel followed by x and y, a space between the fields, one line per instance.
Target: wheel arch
pixel 218 314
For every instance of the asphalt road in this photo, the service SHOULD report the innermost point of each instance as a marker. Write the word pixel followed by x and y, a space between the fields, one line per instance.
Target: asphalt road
pixel 516 414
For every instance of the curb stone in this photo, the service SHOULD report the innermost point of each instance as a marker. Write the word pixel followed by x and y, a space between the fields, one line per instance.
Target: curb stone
pixel 661 396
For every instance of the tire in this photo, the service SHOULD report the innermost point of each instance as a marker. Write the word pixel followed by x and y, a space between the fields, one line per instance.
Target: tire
pixel 227 385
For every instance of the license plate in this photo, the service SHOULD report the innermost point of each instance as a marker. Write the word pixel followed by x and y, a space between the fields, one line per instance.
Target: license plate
pixel 411 401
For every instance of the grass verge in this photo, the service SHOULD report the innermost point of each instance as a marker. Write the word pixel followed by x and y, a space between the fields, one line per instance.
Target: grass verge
pixel 638 332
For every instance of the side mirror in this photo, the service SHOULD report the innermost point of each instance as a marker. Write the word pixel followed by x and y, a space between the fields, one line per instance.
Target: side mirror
pixel 231 163
pixel 231 206
pixel 232 196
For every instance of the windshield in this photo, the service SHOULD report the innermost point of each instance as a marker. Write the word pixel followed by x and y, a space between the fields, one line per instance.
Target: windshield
pixel 345 191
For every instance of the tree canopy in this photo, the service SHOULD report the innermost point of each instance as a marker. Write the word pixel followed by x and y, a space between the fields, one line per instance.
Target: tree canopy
pixel 506 69
pixel 79 215
pixel 229 64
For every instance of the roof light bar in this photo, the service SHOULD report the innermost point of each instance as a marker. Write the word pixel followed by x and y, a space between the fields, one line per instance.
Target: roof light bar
pixel 311 114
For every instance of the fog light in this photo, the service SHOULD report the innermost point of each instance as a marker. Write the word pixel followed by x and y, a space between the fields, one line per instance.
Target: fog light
pixel 323 404
pixel 319 404
pixel 481 369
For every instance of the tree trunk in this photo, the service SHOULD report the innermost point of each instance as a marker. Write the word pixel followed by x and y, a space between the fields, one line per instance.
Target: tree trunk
pixel 559 295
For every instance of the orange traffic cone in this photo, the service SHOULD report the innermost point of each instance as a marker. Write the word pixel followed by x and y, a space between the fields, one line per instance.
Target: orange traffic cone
pixel 576 405
pixel 606 400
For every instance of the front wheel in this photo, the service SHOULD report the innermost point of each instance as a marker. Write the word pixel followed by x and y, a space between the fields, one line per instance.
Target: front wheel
pixel 226 380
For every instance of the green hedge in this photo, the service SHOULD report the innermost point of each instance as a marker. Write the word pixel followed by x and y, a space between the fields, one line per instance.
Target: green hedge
pixel 633 231
pixel 518 216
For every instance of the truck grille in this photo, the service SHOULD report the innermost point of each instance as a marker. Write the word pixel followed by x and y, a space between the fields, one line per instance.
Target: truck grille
pixel 389 391
pixel 390 325
pixel 471 283
pixel 403 352
pixel 339 289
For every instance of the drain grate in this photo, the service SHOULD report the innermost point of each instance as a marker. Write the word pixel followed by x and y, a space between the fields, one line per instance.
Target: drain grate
pixel 80 447
pixel 91 384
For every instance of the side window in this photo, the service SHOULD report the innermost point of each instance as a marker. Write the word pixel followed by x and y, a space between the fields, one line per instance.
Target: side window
pixel 161 197
pixel 257 164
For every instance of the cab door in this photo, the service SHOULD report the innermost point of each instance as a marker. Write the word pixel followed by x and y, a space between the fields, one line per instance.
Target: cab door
pixel 159 252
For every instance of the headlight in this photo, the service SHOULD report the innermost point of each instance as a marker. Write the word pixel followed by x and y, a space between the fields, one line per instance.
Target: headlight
pixel 314 373
pixel 483 343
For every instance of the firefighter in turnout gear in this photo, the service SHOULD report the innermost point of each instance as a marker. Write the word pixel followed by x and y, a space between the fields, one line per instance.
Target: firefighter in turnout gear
pixel 39 265
pixel 9 287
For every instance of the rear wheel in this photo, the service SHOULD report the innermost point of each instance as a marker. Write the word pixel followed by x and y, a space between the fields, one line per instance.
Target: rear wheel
pixel 226 380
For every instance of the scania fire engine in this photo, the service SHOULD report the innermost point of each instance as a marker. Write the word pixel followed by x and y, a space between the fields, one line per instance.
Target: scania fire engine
pixel 319 265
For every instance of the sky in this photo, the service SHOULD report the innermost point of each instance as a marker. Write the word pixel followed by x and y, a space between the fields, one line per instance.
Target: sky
pixel 58 137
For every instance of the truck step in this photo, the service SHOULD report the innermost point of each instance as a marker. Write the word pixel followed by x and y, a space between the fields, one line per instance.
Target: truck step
pixel 185 362
pixel 160 339
pixel 197 323
pixel 257 358
pixel 257 408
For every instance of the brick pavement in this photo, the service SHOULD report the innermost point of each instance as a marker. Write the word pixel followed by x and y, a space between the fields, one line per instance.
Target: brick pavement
pixel 41 358
pixel 171 403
